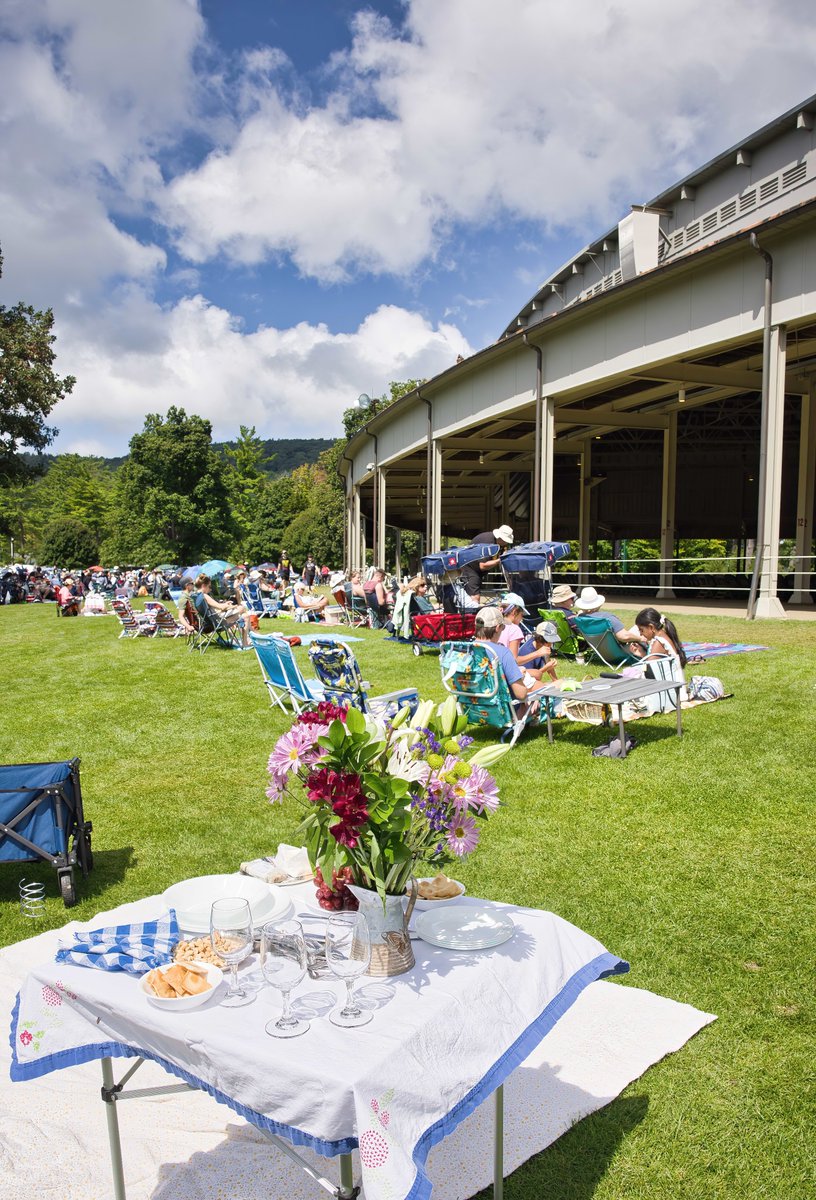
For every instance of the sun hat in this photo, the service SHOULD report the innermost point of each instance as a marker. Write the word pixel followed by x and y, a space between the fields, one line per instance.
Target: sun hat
pixel 504 534
pixel 562 592
pixel 254 576
pixel 512 600
pixel 489 617
pixel 589 599
pixel 548 631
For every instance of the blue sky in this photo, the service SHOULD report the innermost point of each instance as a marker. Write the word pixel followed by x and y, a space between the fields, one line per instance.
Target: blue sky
pixel 257 209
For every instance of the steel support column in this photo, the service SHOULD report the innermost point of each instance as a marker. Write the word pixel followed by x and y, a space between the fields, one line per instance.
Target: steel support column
pixel 398 553
pixel 436 497
pixel 667 533
pixel 379 548
pixel 356 556
pixel 804 500
pixel 768 603
pixel 545 515
pixel 584 512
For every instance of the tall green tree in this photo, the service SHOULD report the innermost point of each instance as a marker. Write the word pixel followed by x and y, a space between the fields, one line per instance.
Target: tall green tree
pixel 68 543
pixel 73 486
pixel 171 500
pixel 29 387
pixel 247 478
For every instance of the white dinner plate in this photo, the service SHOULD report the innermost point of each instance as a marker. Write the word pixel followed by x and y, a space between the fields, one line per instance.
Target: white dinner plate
pixel 465 927
pixel 193 899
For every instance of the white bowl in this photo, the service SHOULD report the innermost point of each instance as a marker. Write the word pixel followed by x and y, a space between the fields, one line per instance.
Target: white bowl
pixel 423 905
pixel 193 899
pixel 185 1003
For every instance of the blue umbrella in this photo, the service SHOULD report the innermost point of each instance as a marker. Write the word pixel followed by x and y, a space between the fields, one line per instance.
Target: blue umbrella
pixel 191 573
pixel 216 566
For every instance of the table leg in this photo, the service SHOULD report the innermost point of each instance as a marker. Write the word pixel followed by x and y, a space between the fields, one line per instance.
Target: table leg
pixel 498 1144
pixel 621 731
pixel 679 713
pixel 546 704
pixel 347 1190
pixel 109 1096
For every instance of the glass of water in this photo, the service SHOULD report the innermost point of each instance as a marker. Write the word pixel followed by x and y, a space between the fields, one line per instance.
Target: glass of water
pixel 283 962
pixel 231 938
pixel 348 954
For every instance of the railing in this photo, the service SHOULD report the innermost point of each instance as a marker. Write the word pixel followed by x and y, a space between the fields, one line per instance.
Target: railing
pixel 685 576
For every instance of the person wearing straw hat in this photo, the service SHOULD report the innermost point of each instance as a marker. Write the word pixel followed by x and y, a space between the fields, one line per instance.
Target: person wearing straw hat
pixel 471 577
pixel 591 602
pixel 563 598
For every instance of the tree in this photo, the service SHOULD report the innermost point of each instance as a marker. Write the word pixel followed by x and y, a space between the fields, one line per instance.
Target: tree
pixel 170 498
pixel 29 388
pixel 247 479
pixel 355 418
pixel 68 543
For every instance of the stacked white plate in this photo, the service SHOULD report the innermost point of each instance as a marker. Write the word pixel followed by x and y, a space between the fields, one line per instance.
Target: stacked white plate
pixel 193 899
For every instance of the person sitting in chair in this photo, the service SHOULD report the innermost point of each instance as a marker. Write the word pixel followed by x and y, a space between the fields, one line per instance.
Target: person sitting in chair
pixel 418 587
pixel 232 614
pixel 376 598
pixel 489 624
pixel 563 597
pixel 591 603
pixel 312 605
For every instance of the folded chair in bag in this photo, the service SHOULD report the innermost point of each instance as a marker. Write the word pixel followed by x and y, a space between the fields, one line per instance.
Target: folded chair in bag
pixel 212 627
pixel 281 674
pixel 475 677
pixel 337 669
pixel 133 624
pixel 40 813
pixel 597 632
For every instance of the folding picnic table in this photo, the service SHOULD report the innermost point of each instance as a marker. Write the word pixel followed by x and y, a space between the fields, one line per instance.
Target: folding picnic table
pixel 444 1037
pixel 610 692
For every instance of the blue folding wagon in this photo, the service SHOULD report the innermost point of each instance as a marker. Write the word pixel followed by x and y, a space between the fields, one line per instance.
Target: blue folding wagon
pixel 41 819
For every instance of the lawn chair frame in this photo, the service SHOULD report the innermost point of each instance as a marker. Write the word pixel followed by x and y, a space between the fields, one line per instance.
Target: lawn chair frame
pixel 480 706
pixel 281 674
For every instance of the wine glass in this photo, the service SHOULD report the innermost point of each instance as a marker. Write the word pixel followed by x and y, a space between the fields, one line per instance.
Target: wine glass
pixel 231 937
pixel 348 954
pixel 283 962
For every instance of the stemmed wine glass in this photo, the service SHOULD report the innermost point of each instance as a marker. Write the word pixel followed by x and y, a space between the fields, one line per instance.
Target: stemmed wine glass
pixel 283 962
pixel 348 954
pixel 231 937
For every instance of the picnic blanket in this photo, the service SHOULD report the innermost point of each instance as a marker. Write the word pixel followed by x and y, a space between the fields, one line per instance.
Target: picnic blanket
pixel 715 649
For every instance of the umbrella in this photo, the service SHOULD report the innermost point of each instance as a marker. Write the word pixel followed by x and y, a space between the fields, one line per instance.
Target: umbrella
pixel 191 573
pixel 265 567
pixel 165 567
pixel 216 566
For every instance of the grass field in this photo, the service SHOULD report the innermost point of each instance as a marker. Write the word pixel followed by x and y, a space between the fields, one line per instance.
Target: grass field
pixel 693 859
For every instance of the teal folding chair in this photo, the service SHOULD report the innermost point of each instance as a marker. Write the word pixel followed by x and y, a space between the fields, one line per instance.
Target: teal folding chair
pixel 474 676
pixel 598 634
pixel 339 672
pixel 281 674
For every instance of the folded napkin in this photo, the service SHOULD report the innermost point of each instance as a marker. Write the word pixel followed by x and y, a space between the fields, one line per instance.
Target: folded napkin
pixel 133 948
pixel 290 862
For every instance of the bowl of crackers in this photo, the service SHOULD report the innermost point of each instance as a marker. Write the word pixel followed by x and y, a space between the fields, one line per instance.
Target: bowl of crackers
pixel 433 893
pixel 181 986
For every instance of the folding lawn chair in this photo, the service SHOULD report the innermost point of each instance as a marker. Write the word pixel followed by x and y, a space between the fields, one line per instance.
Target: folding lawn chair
pixel 339 672
pixel 597 632
pixel 281 674
pixel 256 602
pixel 474 676
pixel 353 610
pixel 40 811
pixel 166 623
pixel 570 644
pixel 133 624
pixel 212 627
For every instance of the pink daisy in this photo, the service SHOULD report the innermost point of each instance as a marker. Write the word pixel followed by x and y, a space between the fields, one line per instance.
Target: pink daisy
pixel 290 752
pixel 484 791
pixel 463 834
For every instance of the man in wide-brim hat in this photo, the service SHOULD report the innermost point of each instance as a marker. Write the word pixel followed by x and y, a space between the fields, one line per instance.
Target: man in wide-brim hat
pixel 472 574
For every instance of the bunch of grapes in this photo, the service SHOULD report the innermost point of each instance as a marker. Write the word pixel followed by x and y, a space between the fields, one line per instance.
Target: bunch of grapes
pixel 336 897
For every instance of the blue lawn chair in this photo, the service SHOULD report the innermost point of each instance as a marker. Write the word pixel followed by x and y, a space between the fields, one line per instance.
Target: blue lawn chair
pixel 256 602
pixel 40 813
pixel 281 674
pixel 339 672
pixel 474 676
pixel 598 634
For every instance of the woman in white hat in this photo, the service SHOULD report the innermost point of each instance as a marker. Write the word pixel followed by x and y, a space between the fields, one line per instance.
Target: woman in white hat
pixel 591 603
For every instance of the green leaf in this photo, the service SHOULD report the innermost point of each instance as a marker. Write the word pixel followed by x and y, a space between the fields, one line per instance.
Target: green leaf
pixel 355 721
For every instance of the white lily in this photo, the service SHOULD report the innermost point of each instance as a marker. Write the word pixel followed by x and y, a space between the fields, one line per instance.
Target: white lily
pixel 423 715
pixel 403 765
pixel 488 756
pixel 447 713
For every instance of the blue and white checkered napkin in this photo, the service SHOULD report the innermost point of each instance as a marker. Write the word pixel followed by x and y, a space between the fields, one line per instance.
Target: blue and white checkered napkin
pixel 133 948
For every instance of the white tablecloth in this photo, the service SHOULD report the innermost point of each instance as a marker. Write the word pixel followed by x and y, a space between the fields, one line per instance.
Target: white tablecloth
pixel 443 1037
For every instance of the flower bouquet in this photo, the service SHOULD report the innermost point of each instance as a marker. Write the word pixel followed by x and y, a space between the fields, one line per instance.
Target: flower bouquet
pixel 378 798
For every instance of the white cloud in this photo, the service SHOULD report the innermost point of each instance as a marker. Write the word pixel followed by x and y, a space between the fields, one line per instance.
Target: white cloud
pixel 560 114
pixel 292 382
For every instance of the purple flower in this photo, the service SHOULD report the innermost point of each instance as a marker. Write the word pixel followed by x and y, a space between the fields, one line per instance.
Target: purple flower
pixel 483 790
pixel 290 752
pixel 275 792
pixel 463 834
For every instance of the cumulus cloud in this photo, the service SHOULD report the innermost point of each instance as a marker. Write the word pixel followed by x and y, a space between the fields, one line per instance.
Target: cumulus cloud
pixel 477 112
pixel 294 382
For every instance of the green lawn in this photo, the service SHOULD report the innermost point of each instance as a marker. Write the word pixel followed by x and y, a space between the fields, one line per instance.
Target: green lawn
pixel 693 859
